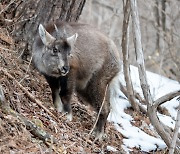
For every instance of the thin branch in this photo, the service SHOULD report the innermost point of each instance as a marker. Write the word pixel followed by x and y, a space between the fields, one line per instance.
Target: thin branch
pixel 176 130
pixel 125 92
pixel 166 98
pixel 139 52
pixel 26 70
pixel 103 5
pixel 1 95
pixel 98 113
pixel 125 51
pixel 7 6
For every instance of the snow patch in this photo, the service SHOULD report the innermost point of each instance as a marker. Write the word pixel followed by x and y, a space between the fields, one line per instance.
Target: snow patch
pixel 134 137
pixel 110 148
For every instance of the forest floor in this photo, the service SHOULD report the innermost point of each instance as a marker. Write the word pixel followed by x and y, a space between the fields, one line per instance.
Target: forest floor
pixel 71 137
pixel 19 79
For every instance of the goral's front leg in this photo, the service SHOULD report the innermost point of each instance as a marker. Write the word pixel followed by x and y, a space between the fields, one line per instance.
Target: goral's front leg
pixel 54 84
pixel 57 100
pixel 67 84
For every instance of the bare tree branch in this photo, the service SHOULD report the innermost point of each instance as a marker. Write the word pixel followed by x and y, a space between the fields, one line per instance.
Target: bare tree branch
pixel 125 92
pixel 125 51
pixel 176 130
pixel 166 98
pixel 139 52
pixel 162 130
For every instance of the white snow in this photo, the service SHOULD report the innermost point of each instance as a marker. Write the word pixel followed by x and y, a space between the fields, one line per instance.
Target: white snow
pixel 134 137
pixel 167 120
pixel 110 148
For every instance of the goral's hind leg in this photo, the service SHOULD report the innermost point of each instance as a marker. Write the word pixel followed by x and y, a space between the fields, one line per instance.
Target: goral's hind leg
pixel 103 112
pixel 98 97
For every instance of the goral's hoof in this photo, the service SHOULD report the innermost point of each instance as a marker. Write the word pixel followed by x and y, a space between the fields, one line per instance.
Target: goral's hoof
pixel 69 116
pixel 99 136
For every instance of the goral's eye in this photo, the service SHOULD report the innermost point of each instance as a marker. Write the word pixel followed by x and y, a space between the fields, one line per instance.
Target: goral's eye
pixel 55 50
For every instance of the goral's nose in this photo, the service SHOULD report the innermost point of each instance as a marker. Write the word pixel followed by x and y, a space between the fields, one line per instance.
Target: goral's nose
pixel 65 69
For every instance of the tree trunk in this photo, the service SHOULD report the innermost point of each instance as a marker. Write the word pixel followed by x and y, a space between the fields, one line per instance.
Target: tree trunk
pixel 30 13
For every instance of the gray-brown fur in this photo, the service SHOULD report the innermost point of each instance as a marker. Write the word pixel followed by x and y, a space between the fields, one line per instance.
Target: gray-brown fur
pixel 93 63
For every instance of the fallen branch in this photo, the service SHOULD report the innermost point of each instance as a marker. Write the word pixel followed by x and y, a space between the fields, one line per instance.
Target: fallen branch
pixel 3 10
pixel 31 97
pixel 33 129
pixel 2 98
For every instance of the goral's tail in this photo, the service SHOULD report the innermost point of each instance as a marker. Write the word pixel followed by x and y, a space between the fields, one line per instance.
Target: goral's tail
pixel 114 90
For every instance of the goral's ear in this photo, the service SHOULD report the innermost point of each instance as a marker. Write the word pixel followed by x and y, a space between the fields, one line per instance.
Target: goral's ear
pixel 72 39
pixel 46 38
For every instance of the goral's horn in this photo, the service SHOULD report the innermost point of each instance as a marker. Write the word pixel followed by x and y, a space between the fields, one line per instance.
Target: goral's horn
pixel 64 33
pixel 58 34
